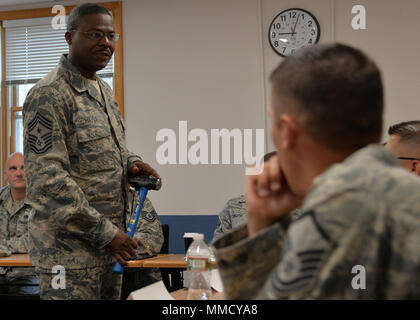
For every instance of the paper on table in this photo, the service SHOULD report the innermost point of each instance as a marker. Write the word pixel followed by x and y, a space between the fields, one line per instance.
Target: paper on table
pixel 155 291
pixel 216 281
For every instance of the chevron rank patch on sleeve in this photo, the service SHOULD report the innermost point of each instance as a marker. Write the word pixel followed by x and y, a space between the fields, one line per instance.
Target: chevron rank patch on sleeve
pixel 40 134
pixel 305 247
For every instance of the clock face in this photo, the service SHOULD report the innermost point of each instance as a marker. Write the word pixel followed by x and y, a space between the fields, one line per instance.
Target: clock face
pixel 293 29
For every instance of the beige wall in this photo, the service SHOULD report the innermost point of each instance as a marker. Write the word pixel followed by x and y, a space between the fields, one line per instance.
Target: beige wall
pixel 199 61
pixel 391 39
pixel 207 62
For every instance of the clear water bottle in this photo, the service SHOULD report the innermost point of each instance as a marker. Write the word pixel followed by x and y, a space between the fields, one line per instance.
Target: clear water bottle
pixel 199 269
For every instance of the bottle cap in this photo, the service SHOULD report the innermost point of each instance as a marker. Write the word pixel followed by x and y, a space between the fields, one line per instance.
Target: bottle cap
pixel 194 235
pixel 199 236
pixel 190 235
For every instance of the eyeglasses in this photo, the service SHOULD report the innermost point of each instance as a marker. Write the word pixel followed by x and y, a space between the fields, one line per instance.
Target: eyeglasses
pixel 99 35
pixel 405 158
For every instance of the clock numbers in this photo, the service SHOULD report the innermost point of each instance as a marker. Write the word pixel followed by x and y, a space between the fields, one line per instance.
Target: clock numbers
pixel 293 29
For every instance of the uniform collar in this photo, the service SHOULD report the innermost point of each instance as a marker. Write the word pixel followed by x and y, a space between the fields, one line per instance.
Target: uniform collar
pixel 77 80
pixel 6 198
pixel 4 192
pixel 338 178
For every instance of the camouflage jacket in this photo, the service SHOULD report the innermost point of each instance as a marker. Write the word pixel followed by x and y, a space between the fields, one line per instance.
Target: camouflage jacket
pixel 231 217
pixel 76 169
pixel 358 238
pixel 14 235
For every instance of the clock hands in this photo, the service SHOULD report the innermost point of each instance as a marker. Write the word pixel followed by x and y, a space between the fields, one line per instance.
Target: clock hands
pixel 294 28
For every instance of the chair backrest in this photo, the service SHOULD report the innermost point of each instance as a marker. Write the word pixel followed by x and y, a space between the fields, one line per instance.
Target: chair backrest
pixel 165 245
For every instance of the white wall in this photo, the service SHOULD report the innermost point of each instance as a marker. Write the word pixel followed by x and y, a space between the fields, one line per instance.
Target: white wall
pixel 199 61
pixel 391 39
pixel 207 62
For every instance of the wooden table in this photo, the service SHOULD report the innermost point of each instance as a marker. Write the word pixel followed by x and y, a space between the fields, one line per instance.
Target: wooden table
pixel 22 260
pixel 164 261
pixel 159 261
pixel 16 260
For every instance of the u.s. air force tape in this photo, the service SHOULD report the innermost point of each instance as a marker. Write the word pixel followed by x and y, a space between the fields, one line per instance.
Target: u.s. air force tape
pixel 40 134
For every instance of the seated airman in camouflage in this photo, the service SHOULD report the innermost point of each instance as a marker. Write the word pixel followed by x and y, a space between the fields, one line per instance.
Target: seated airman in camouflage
pixel 14 216
pixel 404 141
pixel 231 217
pixel 358 234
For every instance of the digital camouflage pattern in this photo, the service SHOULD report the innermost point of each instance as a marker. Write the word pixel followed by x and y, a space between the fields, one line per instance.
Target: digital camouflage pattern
pixel 364 212
pixel 81 284
pixel 76 169
pixel 231 217
pixel 14 237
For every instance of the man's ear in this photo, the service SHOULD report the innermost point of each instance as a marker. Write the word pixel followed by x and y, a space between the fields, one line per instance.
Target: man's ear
pixel 68 35
pixel 290 131
pixel 415 167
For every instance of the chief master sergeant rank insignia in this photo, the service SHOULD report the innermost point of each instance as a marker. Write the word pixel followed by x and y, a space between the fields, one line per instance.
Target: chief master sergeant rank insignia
pixel 40 134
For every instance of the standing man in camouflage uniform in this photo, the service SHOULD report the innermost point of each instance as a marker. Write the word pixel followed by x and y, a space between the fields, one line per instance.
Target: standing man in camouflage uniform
pixel 14 216
pixel 76 164
pixel 404 141
pixel 358 235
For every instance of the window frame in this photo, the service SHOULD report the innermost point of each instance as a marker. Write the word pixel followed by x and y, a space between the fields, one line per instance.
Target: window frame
pixel 115 7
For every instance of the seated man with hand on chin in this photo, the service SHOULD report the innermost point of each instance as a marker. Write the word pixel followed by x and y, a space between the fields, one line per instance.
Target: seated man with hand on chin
pixel 359 207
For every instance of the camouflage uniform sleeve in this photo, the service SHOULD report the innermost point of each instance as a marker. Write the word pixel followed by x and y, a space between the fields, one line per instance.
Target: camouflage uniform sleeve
pixel 149 235
pixel 20 242
pixel 305 249
pixel 4 248
pixel 323 245
pixel 50 189
pixel 237 255
pixel 132 158
pixel 224 223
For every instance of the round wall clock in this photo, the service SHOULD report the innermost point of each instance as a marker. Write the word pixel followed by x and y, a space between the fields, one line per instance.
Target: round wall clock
pixel 293 29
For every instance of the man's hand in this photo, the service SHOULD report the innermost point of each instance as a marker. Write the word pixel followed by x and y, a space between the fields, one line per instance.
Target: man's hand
pixel 268 197
pixel 138 168
pixel 122 247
